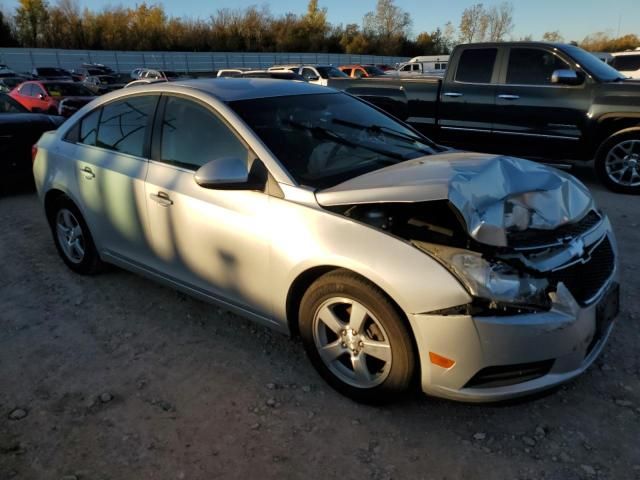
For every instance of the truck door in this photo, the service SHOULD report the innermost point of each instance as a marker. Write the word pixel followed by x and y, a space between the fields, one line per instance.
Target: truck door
pixel 535 117
pixel 467 99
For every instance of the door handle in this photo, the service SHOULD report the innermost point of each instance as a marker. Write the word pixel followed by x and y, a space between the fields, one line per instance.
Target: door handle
pixel 452 94
pixel 161 198
pixel 509 97
pixel 89 173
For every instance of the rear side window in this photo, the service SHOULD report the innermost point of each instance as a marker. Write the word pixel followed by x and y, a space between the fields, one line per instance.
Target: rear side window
pixel 123 124
pixel 626 63
pixel 191 135
pixel 530 66
pixel 27 90
pixel 89 128
pixel 347 71
pixel 476 65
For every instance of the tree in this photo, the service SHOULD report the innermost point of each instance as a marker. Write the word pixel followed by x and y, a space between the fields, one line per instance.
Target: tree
pixel 500 21
pixel 473 24
pixel 7 37
pixel 316 26
pixel 553 37
pixel 389 25
pixel 448 37
pixel 31 22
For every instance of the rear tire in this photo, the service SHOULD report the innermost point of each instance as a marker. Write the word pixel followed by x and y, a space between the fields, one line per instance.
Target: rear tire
pixel 618 163
pixel 73 239
pixel 356 339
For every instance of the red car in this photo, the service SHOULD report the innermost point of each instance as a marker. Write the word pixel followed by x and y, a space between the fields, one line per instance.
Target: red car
pixel 49 96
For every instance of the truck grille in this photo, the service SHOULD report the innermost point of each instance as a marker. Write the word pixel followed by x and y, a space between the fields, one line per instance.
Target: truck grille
pixel 585 280
pixel 544 238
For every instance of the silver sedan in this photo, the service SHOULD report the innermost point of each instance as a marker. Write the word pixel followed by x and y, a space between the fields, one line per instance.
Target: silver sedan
pixel 396 260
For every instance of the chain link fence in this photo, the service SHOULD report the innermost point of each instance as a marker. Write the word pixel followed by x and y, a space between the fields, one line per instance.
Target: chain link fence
pixel 23 60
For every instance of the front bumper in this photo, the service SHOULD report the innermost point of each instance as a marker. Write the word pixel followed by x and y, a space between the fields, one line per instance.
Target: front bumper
pixel 564 342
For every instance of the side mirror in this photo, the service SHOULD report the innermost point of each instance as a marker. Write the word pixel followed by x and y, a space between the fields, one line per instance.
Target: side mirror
pixel 566 77
pixel 231 173
pixel 42 96
pixel 312 78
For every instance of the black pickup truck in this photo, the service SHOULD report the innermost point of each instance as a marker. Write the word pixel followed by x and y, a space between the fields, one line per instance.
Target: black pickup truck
pixel 544 101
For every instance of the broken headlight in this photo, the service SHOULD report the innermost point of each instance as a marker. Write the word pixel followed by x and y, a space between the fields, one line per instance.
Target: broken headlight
pixel 494 281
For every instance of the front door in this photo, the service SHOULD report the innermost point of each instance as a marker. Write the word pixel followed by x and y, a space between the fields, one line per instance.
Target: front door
pixel 211 241
pixel 467 101
pixel 535 117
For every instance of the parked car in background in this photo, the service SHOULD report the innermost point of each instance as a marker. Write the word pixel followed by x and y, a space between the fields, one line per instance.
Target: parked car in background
pixel 9 83
pixel 53 97
pixel 5 71
pixel 316 74
pixel 92 69
pixel 230 72
pixel 167 75
pixel 143 81
pixel 397 261
pixel 281 75
pixel 545 101
pixel 51 73
pixel 627 63
pixel 137 72
pixel 19 131
pixel 385 67
pixel 100 84
pixel 361 71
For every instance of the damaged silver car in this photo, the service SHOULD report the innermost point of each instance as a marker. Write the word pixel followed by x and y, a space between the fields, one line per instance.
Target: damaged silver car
pixel 396 260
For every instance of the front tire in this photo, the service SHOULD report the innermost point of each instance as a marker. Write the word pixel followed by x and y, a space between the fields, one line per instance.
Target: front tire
pixel 356 339
pixel 618 163
pixel 73 239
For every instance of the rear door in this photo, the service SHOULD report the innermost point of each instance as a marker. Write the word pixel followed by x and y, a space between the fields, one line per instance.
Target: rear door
pixel 111 161
pixel 467 99
pixel 535 117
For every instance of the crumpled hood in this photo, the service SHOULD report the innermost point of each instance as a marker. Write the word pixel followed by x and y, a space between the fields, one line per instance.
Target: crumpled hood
pixel 494 194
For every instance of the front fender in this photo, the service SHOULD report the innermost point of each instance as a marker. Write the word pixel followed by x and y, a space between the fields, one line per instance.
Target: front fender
pixel 303 237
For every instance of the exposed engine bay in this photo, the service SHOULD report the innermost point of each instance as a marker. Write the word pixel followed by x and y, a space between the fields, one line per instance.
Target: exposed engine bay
pixel 520 277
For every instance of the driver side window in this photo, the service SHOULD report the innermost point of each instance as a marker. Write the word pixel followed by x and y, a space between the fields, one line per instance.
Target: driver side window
pixel 530 66
pixel 191 136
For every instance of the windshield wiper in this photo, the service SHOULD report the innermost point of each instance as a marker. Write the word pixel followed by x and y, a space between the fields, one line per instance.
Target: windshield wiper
pixel 326 133
pixel 380 128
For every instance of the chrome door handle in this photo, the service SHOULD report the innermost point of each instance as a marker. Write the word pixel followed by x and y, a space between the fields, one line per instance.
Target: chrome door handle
pixel 452 94
pixel 89 173
pixel 161 198
pixel 509 97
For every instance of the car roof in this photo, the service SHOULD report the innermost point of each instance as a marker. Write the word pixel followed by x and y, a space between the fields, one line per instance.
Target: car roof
pixel 231 89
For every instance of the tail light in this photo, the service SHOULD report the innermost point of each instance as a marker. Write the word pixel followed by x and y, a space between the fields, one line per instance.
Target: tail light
pixel 34 152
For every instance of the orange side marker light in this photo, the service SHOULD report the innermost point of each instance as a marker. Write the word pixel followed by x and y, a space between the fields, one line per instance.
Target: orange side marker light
pixel 441 361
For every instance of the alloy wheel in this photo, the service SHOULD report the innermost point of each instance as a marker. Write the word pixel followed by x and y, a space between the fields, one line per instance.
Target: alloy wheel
pixel 70 235
pixel 622 163
pixel 352 343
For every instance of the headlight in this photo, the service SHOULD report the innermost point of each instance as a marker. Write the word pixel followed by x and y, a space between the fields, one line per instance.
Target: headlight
pixel 493 281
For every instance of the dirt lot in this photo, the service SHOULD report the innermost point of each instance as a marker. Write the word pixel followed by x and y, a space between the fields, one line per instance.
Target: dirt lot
pixel 114 377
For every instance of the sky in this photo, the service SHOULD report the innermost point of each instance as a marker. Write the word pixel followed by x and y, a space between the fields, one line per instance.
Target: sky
pixel 573 18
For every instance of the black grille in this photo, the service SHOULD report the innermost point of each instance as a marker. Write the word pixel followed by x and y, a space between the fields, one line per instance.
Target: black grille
pixel 584 280
pixel 541 238
pixel 505 375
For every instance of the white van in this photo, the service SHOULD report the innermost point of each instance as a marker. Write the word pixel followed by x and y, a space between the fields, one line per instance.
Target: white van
pixel 425 65
pixel 627 63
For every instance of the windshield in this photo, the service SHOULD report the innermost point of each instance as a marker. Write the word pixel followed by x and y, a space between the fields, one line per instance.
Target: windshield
pixel 67 90
pixel 593 64
pixel 325 139
pixel 626 63
pixel 331 72
pixel 371 70
pixel 9 105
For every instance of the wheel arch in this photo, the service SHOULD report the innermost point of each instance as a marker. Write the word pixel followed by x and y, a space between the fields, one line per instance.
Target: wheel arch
pixel 50 199
pixel 306 278
pixel 611 126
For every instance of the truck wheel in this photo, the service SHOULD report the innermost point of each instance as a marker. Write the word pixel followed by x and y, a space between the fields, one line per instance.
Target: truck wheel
pixel 618 163
pixel 356 339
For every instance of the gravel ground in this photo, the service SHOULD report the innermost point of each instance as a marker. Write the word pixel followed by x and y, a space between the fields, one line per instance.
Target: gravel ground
pixel 115 377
